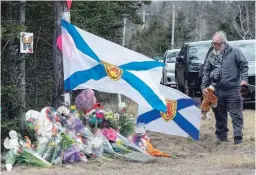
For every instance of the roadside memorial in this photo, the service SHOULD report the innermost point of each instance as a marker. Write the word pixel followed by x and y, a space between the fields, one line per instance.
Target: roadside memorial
pixel 77 133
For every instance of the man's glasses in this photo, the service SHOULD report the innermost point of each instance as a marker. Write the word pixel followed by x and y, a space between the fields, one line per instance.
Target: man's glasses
pixel 216 44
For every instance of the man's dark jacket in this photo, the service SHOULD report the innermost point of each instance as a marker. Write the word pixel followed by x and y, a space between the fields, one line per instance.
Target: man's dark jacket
pixel 233 67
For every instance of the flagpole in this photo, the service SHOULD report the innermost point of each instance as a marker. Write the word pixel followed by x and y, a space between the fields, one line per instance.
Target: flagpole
pixel 66 16
pixel 121 105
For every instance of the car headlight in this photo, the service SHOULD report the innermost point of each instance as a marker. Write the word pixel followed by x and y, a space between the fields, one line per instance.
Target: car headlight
pixel 169 71
pixel 194 67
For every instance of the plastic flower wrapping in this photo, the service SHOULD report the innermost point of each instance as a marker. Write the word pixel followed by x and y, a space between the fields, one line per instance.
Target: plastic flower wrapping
pixel 67 135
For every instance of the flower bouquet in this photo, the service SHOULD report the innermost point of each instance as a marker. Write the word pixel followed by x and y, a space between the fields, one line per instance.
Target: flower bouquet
pixel 32 158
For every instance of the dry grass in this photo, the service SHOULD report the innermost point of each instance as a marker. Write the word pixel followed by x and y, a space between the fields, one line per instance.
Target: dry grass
pixel 208 126
pixel 230 160
pixel 193 157
pixel 228 153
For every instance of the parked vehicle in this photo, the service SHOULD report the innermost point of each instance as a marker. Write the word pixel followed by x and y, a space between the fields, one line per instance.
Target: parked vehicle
pixel 248 49
pixel 168 78
pixel 188 62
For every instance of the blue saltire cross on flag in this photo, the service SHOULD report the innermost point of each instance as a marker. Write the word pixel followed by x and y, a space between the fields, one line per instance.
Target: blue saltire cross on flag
pixel 181 119
pixel 92 62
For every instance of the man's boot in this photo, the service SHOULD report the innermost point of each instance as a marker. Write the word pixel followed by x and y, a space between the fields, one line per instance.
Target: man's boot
pixel 238 140
pixel 219 140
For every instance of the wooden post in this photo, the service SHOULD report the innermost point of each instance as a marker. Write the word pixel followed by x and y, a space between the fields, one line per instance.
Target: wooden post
pixel 59 7
pixel 22 82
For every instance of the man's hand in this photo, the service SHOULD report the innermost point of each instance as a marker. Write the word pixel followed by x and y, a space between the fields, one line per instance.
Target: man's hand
pixel 243 83
pixel 205 91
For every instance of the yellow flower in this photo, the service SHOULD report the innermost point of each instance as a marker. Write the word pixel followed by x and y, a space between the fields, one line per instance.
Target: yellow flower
pixel 52 144
pixel 73 107
pixel 118 142
pixel 109 115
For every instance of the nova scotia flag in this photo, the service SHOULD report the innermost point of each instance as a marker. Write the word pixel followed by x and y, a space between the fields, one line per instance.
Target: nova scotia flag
pixel 181 119
pixel 92 62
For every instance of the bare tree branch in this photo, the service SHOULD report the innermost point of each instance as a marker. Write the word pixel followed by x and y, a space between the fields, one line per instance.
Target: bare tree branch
pixel 241 22
pixel 248 20
pixel 236 27
pixel 5 46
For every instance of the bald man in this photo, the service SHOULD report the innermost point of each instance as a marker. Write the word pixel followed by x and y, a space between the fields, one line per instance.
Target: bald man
pixel 226 69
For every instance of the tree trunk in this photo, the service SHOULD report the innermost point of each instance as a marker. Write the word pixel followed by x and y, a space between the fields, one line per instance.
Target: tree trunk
pixel 12 50
pixel 58 8
pixel 248 31
pixel 241 21
pixel 22 82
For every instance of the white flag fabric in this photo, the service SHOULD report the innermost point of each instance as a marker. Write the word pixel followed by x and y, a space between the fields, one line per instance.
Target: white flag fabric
pixel 92 62
pixel 181 119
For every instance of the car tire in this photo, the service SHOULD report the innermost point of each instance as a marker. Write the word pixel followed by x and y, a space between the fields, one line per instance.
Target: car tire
pixel 163 79
pixel 188 90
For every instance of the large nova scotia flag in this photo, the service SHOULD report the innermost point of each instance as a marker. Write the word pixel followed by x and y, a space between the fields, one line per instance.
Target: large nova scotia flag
pixel 92 62
pixel 181 119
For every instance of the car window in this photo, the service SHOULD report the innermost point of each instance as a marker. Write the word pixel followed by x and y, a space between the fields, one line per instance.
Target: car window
pixel 171 57
pixel 181 53
pixel 248 49
pixel 198 52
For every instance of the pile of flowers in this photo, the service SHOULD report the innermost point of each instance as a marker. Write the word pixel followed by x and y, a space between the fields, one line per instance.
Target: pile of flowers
pixel 74 134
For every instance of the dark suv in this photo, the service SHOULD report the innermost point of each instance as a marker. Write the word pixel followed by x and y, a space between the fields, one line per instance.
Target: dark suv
pixel 247 47
pixel 188 62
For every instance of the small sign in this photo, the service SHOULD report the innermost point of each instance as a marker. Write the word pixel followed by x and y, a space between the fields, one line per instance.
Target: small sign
pixel 26 42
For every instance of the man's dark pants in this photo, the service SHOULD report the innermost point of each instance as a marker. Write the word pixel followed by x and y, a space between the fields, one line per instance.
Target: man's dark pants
pixel 229 101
